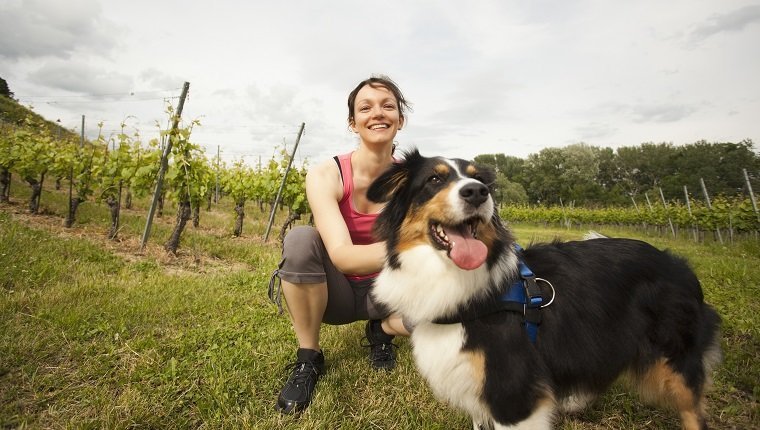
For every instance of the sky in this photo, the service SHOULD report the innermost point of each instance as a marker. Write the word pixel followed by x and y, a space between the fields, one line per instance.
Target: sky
pixel 491 76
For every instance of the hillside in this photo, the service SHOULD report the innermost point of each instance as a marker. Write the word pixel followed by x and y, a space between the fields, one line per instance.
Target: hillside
pixel 12 112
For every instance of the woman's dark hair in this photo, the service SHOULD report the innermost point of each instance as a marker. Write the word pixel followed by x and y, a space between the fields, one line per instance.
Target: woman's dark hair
pixel 378 81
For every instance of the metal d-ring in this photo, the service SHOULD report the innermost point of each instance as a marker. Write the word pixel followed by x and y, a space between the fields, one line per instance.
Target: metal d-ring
pixel 554 292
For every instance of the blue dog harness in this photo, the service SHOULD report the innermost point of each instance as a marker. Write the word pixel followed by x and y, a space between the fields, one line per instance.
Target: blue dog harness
pixel 523 296
pixel 526 293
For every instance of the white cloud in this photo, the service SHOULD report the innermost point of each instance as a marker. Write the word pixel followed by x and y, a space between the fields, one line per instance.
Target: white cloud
pixel 67 76
pixel 39 28
pixel 734 21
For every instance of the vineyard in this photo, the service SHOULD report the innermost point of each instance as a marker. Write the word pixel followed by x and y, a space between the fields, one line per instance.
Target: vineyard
pixel 99 332
pixel 120 167
pixel 725 219
pixel 115 170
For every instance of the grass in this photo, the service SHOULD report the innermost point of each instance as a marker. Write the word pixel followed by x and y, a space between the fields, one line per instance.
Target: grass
pixel 97 334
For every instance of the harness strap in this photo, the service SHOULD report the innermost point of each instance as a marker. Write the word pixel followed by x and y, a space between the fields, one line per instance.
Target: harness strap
pixel 524 297
pixel 526 292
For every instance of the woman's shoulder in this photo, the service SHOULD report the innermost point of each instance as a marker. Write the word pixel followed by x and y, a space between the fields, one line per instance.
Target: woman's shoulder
pixel 324 168
pixel 325 176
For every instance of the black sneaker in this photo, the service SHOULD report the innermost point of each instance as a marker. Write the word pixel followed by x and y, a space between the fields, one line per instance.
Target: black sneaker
pixel 381 353
pixel 296 394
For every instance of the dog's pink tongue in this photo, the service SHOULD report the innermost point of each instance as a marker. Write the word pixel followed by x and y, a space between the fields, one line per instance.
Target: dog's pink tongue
pixel 466 252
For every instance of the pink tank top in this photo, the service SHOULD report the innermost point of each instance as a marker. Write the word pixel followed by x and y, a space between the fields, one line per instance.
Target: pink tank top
pixel 359 224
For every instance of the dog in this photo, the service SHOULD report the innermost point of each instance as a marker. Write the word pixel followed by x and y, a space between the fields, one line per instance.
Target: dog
pixel 513 336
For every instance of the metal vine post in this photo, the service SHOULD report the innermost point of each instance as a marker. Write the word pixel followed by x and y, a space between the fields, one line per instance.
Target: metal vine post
pixel 282 185
pixel 163 166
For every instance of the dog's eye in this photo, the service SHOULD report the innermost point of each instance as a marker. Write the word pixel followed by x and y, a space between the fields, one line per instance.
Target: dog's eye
pixel 435 179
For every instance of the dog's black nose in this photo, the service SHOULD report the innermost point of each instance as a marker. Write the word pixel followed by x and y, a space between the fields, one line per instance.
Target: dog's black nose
pixel 474 193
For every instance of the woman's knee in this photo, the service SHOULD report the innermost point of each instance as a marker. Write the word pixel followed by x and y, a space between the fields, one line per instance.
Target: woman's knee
pixel 299 236
pixel 302 242
pixel 302 256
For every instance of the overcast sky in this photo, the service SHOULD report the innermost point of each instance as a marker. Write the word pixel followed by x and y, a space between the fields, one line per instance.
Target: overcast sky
pixel 502 76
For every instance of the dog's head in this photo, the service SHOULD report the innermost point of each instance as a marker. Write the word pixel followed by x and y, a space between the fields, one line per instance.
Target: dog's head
pixel 441 203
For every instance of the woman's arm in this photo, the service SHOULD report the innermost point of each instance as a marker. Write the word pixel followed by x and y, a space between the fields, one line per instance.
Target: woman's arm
pixel 323 190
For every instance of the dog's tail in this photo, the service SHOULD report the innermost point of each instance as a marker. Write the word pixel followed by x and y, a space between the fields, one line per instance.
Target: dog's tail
pixel 591 234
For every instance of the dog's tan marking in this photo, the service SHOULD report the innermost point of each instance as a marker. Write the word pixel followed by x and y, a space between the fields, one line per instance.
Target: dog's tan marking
pixel 487 234
pixel 478 363
pixel 542 415
pixel 661 385
pixel 442 170
pixel 413 232
pixel 415 229
pixel 471 170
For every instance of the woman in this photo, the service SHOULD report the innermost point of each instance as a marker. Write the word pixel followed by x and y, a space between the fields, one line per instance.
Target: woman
pixel 326 272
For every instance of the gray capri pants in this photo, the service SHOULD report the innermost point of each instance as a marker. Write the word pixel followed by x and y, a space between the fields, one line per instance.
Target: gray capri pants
pixel 305 261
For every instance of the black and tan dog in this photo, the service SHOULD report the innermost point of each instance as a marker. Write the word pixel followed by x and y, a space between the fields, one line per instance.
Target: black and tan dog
pixel 513 336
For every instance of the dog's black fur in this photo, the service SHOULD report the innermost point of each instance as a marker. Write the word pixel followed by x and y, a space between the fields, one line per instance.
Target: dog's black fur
pixel 622 307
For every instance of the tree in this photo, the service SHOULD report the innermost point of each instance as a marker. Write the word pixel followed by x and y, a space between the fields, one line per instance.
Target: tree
pixel 5 90
pixel 652 163
pixel 719 164
pixel 542 173
pixel 581 169
pixel 511 167
pixel 508 192
pixel 562 174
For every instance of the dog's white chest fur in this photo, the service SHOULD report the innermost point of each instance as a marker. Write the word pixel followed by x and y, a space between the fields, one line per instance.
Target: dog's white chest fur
pixel 452 374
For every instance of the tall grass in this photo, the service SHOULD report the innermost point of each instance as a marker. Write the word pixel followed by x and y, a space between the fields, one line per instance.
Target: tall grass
pixel 96 334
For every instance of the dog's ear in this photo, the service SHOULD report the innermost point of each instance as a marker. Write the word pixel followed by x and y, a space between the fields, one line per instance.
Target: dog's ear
pixel 487 175
pixel 389 183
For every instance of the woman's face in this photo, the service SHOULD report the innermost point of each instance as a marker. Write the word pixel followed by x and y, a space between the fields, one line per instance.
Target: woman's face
pixel 376 115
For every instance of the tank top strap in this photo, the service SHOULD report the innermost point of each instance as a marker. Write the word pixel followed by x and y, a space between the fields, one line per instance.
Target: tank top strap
pixel 344 162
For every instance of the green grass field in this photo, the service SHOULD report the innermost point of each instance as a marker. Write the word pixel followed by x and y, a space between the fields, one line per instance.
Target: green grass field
pixel 96 334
